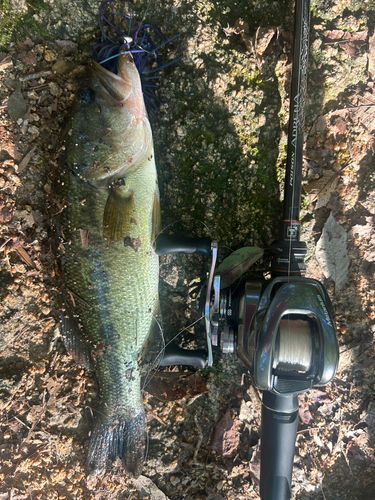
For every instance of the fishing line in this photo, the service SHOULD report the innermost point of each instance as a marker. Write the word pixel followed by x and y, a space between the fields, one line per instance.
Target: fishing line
pixel 147 445
pixel 185 217
pixel 148 6
pixel 161 353
pixel 158 358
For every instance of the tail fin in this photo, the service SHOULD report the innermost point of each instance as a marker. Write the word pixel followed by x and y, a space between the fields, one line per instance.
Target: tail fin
pixel 118 436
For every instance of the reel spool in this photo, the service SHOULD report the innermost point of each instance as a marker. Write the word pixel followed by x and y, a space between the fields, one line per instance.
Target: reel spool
pixel 293 346
pixel 290 344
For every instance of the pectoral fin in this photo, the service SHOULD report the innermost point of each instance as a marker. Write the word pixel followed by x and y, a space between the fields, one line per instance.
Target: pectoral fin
pixel 118 213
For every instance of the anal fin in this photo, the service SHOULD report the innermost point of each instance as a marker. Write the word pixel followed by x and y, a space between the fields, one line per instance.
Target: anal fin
pixel 72 339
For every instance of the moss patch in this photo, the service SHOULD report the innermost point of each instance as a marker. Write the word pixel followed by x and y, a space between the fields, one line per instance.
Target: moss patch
pixel 18 23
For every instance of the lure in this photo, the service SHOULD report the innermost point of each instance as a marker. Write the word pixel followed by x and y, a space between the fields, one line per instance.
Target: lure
pixel 143 41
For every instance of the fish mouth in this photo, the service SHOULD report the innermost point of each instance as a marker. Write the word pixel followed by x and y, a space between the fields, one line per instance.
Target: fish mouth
pixel 119 98
pixel 119 86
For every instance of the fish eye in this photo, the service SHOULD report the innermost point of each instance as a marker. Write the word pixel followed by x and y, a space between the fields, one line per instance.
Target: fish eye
pixel 86 96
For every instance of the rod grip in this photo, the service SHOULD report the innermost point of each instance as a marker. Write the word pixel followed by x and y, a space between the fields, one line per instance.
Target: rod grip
pixel 166 244
pixel 278 436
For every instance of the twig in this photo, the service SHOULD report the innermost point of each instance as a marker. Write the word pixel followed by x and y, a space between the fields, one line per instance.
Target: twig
pixel 353 347
pixel 35 76
pixel 23 423
pixel 321 487
pixel 347 462
pixel 5 243
pixel 157 418
pixel 200 439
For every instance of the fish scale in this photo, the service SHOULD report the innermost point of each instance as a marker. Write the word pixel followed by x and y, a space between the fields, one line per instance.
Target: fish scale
pixel 112 281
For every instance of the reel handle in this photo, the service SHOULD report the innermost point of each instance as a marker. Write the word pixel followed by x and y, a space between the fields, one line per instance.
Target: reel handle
pixel 165 244
pixel 174 355
pixel 278 436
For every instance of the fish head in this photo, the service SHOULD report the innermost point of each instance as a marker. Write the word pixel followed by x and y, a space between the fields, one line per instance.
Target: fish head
pixel 109 132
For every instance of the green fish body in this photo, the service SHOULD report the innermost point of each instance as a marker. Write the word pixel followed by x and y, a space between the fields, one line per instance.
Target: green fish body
pixel 109 217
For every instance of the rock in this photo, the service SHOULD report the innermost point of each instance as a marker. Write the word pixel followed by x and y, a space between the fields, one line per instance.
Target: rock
pixel 18 6
pixel 147 489
pixel 60 67
pixel 49 56
pixel 16 107
pixel 67 47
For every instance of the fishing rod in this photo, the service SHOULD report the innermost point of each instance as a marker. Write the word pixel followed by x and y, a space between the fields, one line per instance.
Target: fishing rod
pixel 295 347
pixel 282 329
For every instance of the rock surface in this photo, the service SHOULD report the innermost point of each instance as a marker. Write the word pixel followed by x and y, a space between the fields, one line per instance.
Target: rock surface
pixel 220 142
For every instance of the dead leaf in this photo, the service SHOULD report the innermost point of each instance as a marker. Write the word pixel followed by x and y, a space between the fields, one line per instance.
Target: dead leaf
pixel 326 409
pixel 350 42
pixel 338 122
pixel 366 230
pixel 263 40
pixel 174 386
pixel 25 256
pixel 333 35
pixel 320 191
pixel 332 252
pixel 15 494
pixel 15 243
pixel 364 112
pixel 29 58
pixel 304 413
pixel 225 440
pixel 319 397
pixel 25 45
pixel 25 161
pixel 238 262
pixel 241 27
pixel 259 44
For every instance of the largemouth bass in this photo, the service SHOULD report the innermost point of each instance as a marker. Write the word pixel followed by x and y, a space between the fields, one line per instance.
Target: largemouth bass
pixel 109 218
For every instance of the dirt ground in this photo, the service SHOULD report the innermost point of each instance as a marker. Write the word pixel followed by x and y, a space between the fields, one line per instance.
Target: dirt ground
pixel 220 142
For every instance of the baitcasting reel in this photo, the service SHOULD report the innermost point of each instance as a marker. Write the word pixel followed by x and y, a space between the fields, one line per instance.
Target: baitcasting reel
pixel 282 329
